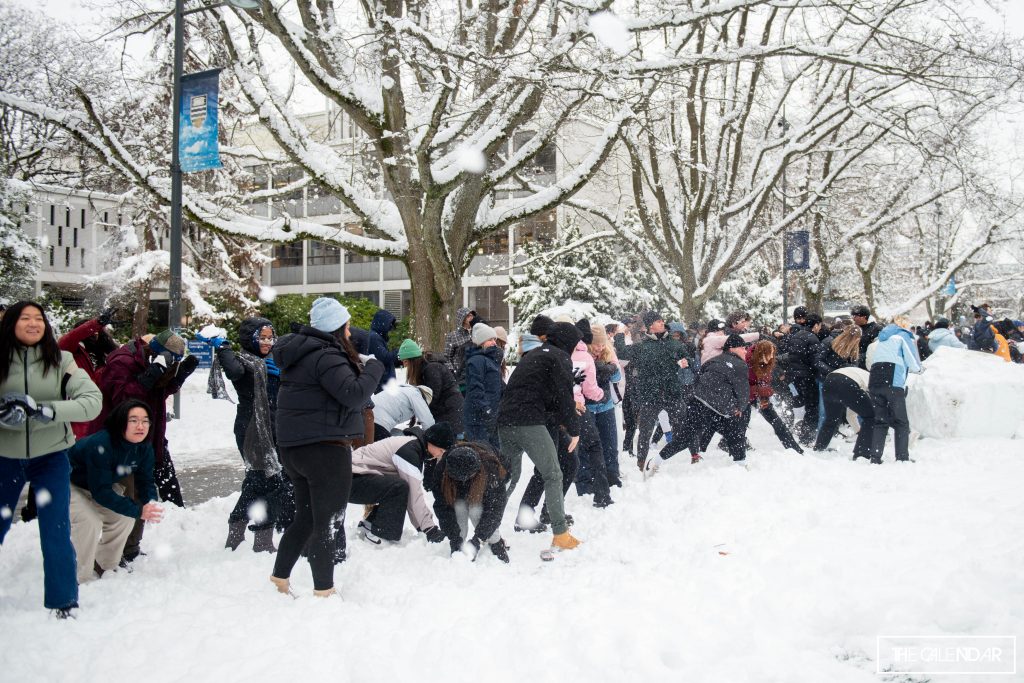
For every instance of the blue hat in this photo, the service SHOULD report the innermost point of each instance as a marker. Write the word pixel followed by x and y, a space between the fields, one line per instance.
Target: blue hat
pixel 327 315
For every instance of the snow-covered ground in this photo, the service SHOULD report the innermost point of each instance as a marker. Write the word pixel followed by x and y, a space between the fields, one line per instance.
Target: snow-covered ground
pixel 786 571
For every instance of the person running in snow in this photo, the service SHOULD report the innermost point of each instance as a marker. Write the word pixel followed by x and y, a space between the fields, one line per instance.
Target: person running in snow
pixel 389 475
pixel 539 393
pixel 101 515
pixel 483 386
pixel 469 488
pixel 941 335
pixel 894 356
pixel 42 391
pixel 845 395
pixel 760 360
pixel 719 401
pixel 256 379
pixel 400 403
pixel 430 370
pixel 656 360
pixel 324 386
pixel 456 342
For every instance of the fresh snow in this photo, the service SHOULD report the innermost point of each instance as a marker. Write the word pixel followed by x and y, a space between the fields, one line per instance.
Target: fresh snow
pixel 786 571
pixel 610 31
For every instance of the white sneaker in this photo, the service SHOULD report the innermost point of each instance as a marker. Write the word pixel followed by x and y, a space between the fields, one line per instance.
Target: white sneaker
pixel 652 465
pixel 366 532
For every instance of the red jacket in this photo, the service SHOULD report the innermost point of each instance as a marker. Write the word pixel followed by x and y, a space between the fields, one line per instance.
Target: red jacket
pixel 72 343
pixel 759 388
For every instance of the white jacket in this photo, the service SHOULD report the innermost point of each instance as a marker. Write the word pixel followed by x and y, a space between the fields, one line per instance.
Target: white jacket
pixel 382 457
pixel 399 403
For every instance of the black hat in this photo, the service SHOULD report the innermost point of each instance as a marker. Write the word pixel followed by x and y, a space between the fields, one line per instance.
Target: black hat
pixel 733 341
pixel 799 312
pixel 650 317
pixel 813 319
pixel 861 311
pixel 715 324
pixel 586 334
pixel 541 325
pixel 440 434
pixel 462 463
pixel 564 336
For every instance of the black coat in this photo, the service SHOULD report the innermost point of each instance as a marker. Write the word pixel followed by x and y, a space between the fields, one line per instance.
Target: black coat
pixel 242 378
pixel 493 502
pixel 868 333
pixel 723 385
pixel 829 361
pixel 322 392
pixel 801 348
pixel 539 392
pixel 446 404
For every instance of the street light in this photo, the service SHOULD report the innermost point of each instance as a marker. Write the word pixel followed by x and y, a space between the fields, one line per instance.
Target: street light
pixel 784 125
pixel 174 281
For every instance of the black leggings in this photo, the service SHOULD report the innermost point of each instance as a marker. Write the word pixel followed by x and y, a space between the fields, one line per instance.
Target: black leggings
pixel 647 420
pixel 782 432
pixel 322 476
pixel 841 393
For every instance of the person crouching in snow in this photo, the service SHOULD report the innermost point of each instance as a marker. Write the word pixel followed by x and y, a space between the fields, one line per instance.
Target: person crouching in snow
pixel 720 398
pixel 388 474
pixel 470 487
pixel 399 403
pixel 256 379
pixel 101 515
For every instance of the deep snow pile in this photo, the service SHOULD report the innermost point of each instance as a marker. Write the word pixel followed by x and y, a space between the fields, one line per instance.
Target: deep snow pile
pixel 967 394
pixel 822 555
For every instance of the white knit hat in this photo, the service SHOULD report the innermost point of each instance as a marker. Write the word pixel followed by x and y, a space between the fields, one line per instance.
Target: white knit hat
pixel 482 333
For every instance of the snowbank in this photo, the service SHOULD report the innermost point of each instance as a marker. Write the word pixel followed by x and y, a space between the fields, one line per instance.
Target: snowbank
pixel 967 394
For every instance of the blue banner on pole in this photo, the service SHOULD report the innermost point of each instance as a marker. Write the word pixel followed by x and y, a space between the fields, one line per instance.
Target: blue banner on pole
pixel 798 250
pixel 950 288
pixel 197 121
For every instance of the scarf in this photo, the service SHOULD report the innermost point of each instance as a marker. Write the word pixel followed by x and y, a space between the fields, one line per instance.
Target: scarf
pixel 215 385
pixel 258 449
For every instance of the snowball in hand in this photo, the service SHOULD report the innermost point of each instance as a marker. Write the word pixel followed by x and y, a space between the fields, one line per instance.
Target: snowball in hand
pixel 212 331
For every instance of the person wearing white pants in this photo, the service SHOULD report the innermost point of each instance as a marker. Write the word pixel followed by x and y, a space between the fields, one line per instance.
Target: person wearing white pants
pixel 98 533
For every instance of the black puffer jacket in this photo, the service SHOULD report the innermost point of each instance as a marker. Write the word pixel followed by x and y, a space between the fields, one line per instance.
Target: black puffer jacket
pixel 801 347
pixel 242 378
pixel 322 391
pixel 446 405
pixel 539 392
pixel 723 384
pixel 493 503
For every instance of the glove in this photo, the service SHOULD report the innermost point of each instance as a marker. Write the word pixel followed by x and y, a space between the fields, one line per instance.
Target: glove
pixel 215 342
pixel 578 375
pixel 164 359
pixel 187 367
pixel 368 358
pixel 434 535
pixel 106 317
pixel 27 403
pixel 45 414
pixel 456 545
pixel 12 415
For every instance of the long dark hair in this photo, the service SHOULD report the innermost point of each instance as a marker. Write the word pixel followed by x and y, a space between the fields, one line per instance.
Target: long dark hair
pixel 117 421
pixel 100 347
pixel 413 370
pixel 490 466
pixel 48 348
pixel 349 347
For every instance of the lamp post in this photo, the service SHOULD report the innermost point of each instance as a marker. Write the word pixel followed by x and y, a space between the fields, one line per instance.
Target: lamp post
pixel 784 125
pixel 174 281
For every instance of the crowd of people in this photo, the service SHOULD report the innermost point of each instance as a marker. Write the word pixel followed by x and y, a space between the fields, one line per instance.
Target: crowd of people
pixel 322 421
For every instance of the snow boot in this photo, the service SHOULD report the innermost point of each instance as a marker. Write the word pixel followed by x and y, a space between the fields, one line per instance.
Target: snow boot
pixel 564 541
pixel 264 541
pixel 603 502
pixel 366 533
pixel 653 465
pixel 69 612
pixel 500 550
pixel 236 534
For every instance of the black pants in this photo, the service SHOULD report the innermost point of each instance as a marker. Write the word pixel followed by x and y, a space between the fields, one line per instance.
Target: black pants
pixel 841 393
pixel 700 425
pixel 890 404
pixel 648 419
pixel 568 463
pixel 275 492
pixel 390 495
pixel 778 425
pixel 591 456
pixel 807 388
pixel 379 433
pixel 167 480
pixel 322 475
pixel 629 415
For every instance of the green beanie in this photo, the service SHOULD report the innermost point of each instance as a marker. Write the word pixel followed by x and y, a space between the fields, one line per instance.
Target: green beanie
pixel 409 349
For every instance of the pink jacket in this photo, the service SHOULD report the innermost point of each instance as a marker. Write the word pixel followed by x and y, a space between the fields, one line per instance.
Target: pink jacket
pixel 379 458
pixel 581 358
pixel 714 341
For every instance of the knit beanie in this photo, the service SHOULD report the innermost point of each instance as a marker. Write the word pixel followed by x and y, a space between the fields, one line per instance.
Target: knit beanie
pixel 650 317
pixel 482 333
pixel 501 333
pixel 409 349
pixel 440 434
pixel 328 315
pixel 715 325
pixel 168 341
pixel 462 463
pixel 586 334
pixel 733 341
pixel 541 325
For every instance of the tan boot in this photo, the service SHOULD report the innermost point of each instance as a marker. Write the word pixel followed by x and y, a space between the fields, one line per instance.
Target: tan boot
pixel 564 541
pixel 326 593
pixel 283 585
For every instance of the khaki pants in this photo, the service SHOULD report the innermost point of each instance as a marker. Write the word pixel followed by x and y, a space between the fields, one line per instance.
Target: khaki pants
pixel 98 533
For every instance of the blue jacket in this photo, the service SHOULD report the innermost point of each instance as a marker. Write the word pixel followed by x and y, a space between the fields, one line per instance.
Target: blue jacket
pixel 897 346
pixel 942 336
pixel 483 385
pixel 97 463
pixel 370 343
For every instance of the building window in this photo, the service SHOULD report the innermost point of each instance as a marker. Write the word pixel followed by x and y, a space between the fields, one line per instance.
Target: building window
pixel 51 256
pixel 53 214
pixel 541 228
pixel 67 257
pixel 60 235
pixel 74 236
pixel 495 244
pixel 371 296
pixel 322 254
pixel 106 217
pixel 287 255
pixel 489 303
pixel 544 162
pixel 82 254
pixel 83 219
pixel 67 217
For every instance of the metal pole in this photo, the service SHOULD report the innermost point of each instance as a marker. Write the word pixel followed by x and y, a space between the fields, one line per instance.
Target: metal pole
pixel 174 284
pixel 785 288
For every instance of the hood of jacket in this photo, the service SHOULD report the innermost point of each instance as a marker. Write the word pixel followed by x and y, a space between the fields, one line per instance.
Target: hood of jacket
pixel 293 348
pixel 382 323
pixel 249 330
pixel 529 342
pixel 893 329
pixel 492 352
pixel 564 336
pixel 460 315
pixel 940 333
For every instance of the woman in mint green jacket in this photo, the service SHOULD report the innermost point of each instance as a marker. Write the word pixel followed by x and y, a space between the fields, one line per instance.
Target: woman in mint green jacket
pixel 42 391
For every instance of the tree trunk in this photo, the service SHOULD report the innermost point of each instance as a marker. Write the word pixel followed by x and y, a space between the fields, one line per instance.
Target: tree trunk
pixel 435 296
pixel 140 318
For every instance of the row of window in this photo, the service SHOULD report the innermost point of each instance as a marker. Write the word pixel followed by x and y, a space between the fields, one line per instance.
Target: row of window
pixel 67 217
pixel 67 257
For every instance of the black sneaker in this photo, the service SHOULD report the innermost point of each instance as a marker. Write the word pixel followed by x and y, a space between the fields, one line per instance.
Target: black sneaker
pixel 66 612
pixel 500 550
pixel 539 529
pixel 125 565
pixel 604 502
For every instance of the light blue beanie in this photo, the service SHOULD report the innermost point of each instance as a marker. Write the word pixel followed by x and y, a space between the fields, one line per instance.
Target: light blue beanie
pixel 327 315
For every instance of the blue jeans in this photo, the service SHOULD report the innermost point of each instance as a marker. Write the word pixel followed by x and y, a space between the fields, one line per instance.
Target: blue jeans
pixel 821 405
pixel 609 433
pixel 51 474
